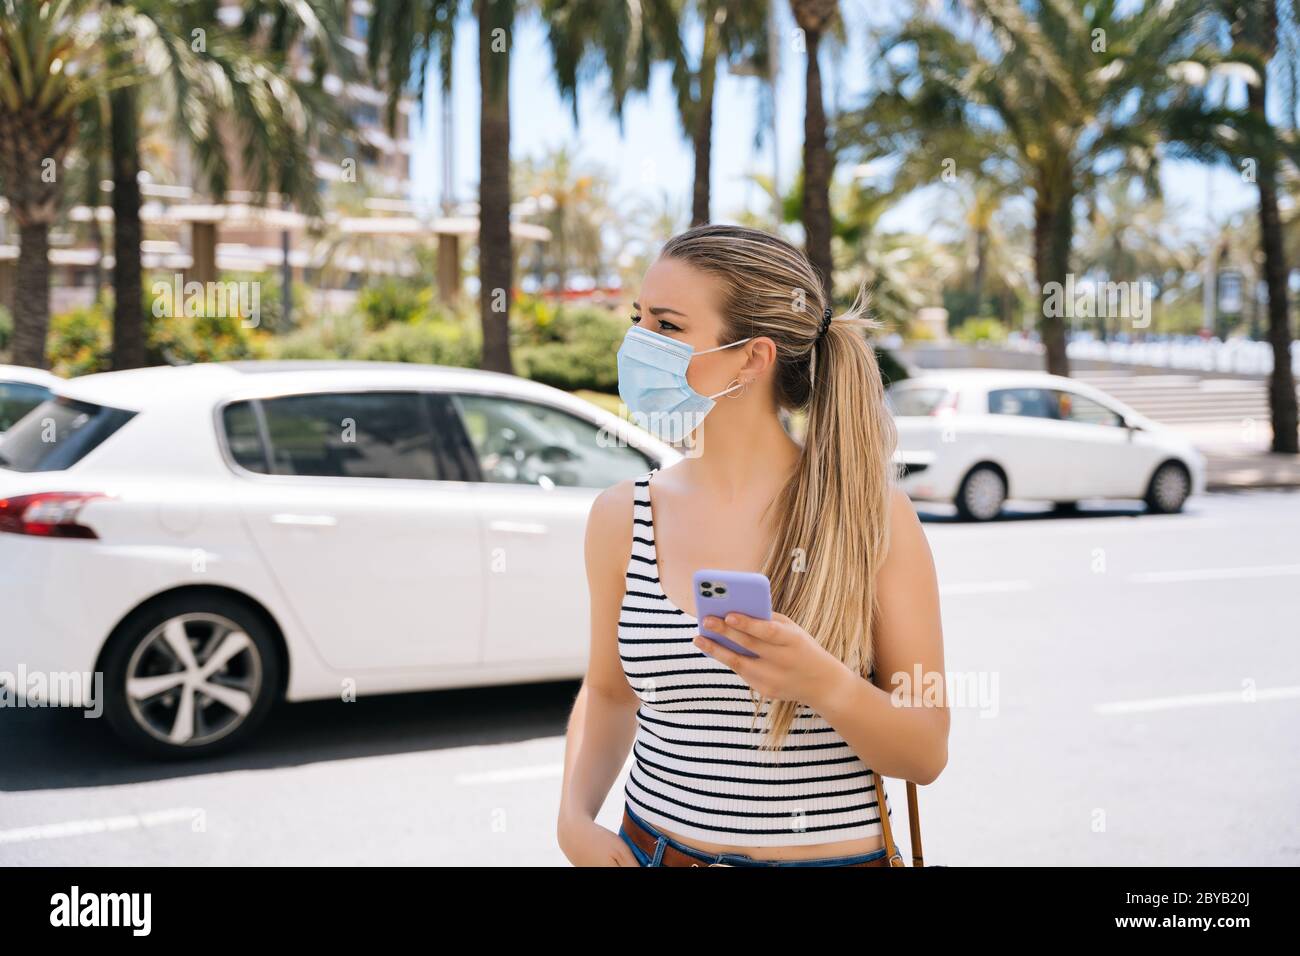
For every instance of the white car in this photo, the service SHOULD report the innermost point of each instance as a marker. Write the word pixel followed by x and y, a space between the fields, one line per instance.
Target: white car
pixel 977 437
pixel 215 537
pixel 21 390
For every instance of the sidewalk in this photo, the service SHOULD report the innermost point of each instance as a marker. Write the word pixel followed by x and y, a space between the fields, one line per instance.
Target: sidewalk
pixel 1238 457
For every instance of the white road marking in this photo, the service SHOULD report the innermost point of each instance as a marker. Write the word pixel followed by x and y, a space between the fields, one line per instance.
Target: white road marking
pixel 985 587
pixel 1197 700
pixel 511 775
pixel 1214 574
pixel 133 821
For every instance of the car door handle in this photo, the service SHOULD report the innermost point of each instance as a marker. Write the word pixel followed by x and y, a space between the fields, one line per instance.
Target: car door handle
pixel 305 521
pixel 517 527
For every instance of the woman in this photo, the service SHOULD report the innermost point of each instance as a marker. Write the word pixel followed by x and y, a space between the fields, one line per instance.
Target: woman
pixel 742 760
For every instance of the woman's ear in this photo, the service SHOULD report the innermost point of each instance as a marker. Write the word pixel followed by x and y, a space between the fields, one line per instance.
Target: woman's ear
pixel 761 356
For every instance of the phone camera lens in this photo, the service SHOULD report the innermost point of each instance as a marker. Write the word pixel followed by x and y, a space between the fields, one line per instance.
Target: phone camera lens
pixel 707 593
pixel 705 585
pixel 721 589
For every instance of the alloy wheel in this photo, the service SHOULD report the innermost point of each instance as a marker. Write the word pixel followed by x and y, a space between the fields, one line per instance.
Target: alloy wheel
pixel 193 679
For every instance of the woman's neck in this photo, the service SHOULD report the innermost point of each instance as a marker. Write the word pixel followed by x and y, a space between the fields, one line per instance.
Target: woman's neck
pixel 743 448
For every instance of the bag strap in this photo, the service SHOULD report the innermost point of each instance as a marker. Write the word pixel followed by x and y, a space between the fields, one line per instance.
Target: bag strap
pixel 913 819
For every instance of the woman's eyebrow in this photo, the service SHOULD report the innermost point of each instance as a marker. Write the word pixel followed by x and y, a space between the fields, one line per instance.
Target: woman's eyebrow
pixel 660 310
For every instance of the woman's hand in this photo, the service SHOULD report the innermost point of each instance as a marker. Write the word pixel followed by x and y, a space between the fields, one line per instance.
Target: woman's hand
pixel 791 665
pixel 587 843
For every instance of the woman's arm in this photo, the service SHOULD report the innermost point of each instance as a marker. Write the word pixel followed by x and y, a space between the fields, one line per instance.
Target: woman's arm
pixel 602 725
pixel 901 730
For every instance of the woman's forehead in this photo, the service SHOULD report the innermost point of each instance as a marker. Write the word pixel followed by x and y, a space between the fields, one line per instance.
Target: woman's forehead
pixel 673 284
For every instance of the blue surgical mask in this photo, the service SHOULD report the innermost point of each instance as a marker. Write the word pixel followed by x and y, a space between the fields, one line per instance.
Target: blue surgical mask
pixel 652 383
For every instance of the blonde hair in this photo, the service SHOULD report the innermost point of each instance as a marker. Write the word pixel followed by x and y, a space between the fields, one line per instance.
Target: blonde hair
pixel 833 529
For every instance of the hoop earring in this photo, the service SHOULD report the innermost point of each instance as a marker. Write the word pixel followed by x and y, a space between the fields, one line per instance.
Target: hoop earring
pixel 744 387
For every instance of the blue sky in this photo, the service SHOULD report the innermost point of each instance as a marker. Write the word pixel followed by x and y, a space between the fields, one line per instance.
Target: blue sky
pixel 651 153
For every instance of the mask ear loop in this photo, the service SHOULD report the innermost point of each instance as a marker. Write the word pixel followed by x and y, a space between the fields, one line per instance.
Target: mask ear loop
pixel 744 386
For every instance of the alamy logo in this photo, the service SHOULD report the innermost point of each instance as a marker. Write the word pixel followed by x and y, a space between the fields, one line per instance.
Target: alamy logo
pixel 1125 301
pixel 103 909
pixel 221 300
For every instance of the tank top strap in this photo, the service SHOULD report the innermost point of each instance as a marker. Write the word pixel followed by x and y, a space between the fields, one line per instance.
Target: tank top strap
pixel 643 565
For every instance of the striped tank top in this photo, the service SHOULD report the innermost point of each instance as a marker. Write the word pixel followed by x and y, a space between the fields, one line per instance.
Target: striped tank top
pixel 697 769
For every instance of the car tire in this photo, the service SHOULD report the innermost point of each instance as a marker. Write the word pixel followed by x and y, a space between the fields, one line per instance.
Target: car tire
pixel 1169 488
pixel 982 493
pixel 149 674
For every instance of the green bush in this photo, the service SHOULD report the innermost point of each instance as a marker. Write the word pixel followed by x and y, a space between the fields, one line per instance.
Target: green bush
pixel 80 340
pixel 393 301
pixel 432 341
pixel 183 339
pixel 980 329
pixel 577 347
pixel 330 337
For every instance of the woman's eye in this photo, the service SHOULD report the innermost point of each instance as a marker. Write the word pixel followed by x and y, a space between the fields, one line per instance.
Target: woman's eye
pixel 668 327
pixel 635 318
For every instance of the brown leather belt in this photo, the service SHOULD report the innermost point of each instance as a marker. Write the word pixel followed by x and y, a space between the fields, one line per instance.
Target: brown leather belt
pixel 672 856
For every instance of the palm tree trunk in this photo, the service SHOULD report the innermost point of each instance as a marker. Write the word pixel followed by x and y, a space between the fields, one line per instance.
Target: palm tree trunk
pixel 32 295
pixel 496 265
pixel 816 170
pixel 981 257
pixel 702 132
pixel 1281 383
pixel 1256 28
pixel 128 314
pixel 1053 232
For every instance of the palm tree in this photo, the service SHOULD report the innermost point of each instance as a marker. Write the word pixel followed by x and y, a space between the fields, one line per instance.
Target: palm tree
pixel 235 90
pixel 54 64
pixel 814 17
pixel 1129 237
pixel 573 203
pixel 409 39
pixel 629 37
pixel 1202 125
pixel 1056 89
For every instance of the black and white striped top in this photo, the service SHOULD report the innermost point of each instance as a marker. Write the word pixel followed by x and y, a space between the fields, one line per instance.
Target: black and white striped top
pixel 697 769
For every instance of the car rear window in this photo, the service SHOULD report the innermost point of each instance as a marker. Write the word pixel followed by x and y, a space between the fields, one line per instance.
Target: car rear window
pixel 915 399
pixel 58 433
pixel 17 399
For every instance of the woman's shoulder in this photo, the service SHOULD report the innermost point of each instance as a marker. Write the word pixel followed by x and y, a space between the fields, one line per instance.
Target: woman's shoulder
pixel 609 522
pixel 907 547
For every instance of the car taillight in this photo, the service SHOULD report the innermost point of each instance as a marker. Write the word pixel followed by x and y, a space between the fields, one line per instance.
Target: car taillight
pixel 47 515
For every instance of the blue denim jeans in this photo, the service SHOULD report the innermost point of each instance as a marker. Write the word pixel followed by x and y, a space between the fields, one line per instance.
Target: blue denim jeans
pixel 733 859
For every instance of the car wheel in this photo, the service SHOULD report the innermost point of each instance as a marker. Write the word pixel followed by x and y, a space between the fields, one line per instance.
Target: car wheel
pixel 190 676
pixel 982 494
pixel 1169 488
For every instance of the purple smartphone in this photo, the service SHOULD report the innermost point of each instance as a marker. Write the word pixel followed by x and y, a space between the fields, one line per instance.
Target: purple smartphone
pixel 718 592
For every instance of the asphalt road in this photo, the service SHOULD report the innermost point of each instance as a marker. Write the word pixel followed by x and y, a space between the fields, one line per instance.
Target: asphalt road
pixel 1131 695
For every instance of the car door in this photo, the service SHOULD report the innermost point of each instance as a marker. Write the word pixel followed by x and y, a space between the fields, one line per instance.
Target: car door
pixel 540 468
pixel 365 523
pixel 1022 436
pixel 1102 458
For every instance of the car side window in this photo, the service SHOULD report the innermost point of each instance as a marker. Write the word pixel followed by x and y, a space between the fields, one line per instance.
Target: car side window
pixel 1077 408
pixel 17 399
pixel 528 443
pixel 1025 402
pixel 352 435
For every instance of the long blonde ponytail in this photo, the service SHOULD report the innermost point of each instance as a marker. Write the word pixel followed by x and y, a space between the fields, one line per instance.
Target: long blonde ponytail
pixel 832 518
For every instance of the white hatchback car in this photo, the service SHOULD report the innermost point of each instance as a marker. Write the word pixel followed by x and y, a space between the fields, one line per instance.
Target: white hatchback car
pixel 976 437
pixel 212 538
